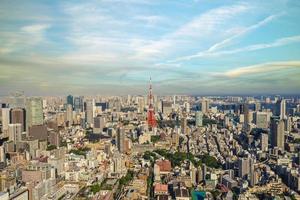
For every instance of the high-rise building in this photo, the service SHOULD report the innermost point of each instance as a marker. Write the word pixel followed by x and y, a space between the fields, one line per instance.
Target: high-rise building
pixel 280 108
pixel 70 100
pixel 141 104
pixel 246 115
pixel 261 120
pixel 264 140
pixel 243 164
pixel 184 125
pixel 99 123
pixel 277 132
pixel 120 139
pixel 288 124
pixel 252 174
pixel 90 104
pixel 34 111
pixel 205 105
pixel 199 119
pixel 78 104
pixel 2 154
pixel 69 115
pixel 5 112
pixel 18 116
pixel 15 132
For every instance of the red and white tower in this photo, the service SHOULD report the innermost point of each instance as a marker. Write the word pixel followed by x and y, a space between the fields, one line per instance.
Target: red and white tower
pixel 150 115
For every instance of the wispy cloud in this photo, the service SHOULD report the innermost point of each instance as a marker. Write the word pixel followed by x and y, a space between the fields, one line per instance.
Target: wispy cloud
pixel 200 27
pixel 243 32
pixel 277 43
pixel 259 69
pixel 26 36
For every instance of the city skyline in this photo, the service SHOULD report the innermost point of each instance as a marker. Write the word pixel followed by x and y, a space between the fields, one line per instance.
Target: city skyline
pixel 113 47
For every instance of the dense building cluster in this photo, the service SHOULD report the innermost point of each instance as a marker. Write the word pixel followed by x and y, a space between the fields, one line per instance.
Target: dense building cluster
pixel 103 147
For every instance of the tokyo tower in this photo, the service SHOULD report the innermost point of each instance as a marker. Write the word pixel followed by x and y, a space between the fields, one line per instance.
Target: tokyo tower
pixel 150 115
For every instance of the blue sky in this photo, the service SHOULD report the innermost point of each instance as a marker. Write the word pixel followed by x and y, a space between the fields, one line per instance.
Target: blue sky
pixel 114 46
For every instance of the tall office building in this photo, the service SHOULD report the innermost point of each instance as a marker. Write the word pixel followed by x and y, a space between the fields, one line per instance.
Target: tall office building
pixel 261 120
pixel 78 104
pixel 2 154
pixel 205 105
pixel 5 112
pixel 34 111
pixel 246 114
pixel 90 104
pixel 277 132
pixel 70 100
pixel 243 164
pixel 184 125
pixel 264 141
pixel 69 115
pixel 199 119
pixel 99 124
pixel 252 178
pixel 18 116
pixel 288 124
pixel 120 139
pixel 15 132
pixel 280 108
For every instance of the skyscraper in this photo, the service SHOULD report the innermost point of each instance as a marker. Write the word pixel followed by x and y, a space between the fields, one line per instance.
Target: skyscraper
pixel 205 106
pixel 5 118
pixel 78 104
pixel 18 116
pixel 90 104
pixel 184 125
pixel 199 118
pixel 69 115
pixel 280 108
pixel 70 100
pixel 99 124
pixel 251 178
pixel 277 132
pixel 264 140
pixel 246 115
pixel 243 164
pixel 15 132
pixel 261 120
pixel 120 139
pixel 34 111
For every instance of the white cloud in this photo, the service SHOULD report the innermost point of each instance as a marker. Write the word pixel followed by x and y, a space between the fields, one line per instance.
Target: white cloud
pixel 200 27
pixel 260 68
pixel 24 37
pixel 35 28
pixel 243 32
pixel 277 43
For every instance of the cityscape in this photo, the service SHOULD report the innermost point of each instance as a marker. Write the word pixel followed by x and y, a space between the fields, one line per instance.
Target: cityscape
pixel 149 100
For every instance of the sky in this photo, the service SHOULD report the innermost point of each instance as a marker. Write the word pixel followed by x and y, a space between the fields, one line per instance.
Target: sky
pixel 193 47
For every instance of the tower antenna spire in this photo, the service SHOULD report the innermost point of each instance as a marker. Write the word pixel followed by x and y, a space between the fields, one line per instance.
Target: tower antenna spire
pixel 150 115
